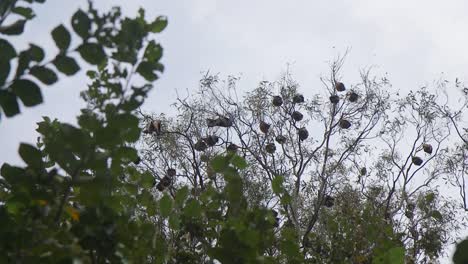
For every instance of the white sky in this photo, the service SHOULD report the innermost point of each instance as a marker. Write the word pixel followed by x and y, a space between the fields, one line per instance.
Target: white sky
pixel 415 42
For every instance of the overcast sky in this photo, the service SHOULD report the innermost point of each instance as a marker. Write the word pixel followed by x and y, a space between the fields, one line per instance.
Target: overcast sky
pixel 415 42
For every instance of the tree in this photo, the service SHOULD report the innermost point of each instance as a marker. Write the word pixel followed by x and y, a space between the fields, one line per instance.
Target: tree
pixel 352 172
pixel 79 197
pixel 228 180
pixel 69 202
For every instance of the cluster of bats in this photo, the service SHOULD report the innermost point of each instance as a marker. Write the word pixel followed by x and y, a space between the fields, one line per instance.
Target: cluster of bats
pixel 154 127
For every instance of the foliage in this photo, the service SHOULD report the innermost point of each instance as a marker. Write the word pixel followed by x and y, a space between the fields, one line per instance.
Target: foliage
pixel 72 200
pixel 461 252
pixel 217 183
pixel 363 182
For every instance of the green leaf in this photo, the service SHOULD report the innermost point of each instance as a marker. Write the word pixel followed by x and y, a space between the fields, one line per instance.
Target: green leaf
pixel 93 53
pixel 126 125
pixel 24 59
pixel 233 189
pixel 290 248
pixel 436 215
pixel 66 65
pixel 14 207
pixel 430 197
pixel 44 74
pixel 239 162
pixel 145 198
pixel 394 255
pixel 36 53
pixel 27 91
pixel 181 195
pixel 147 180
pixel 89 120
pixel 174 221
pixel 75 138
pixel 165 206
pixel 461 253
pixel 8 103
pixel 286 199
pixel 277 184
pixel 126 153
pixel 81 24
pixel 219 163
pixel 159 24
pixel 192 209
pixel 31 156
pixel 146 70
pixel 8 52
pixel 153 51
pixel 158 67
pixel 4 71
pixel 61 37
pixel 12 174
pixel 14 29
pixel 25 12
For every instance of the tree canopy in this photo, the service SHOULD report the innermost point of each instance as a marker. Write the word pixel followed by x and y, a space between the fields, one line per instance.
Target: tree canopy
pixel 352 174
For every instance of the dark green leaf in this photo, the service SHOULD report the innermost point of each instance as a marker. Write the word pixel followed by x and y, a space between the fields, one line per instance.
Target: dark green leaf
pixel 219 163
pixel 6 5
pixel 145 198
pixel 27 91
pixel 93 53
pixel 192 208
pixel 89 120
pixel 181 195
pixel 286 199
pixel 12 174
pixel 461 253
pixel 159 24
pixel 75 138
pixel 158 67
pixel 132 104
pixel 153 51
pixel 174 221
pixel 126 153
pixel 4 71
pixel 26 12
pixel 239 162
pixel 36 53
pixel 147 180
pixel 126 125
pixel 13 29
pixel 66 65
pixel 9 104
pixel 277 184
pixel 436 215
pixel 165 205
pixel 430 197
pixel 8 52
pixel 108 136
pixel 44 74
pixel 24 59
pixel 14 207
pixel 290 248
pixel 234 188
pixel 394 255
pixel 61 37
pixel 31 156
pixel 146 70
pixel 81 24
